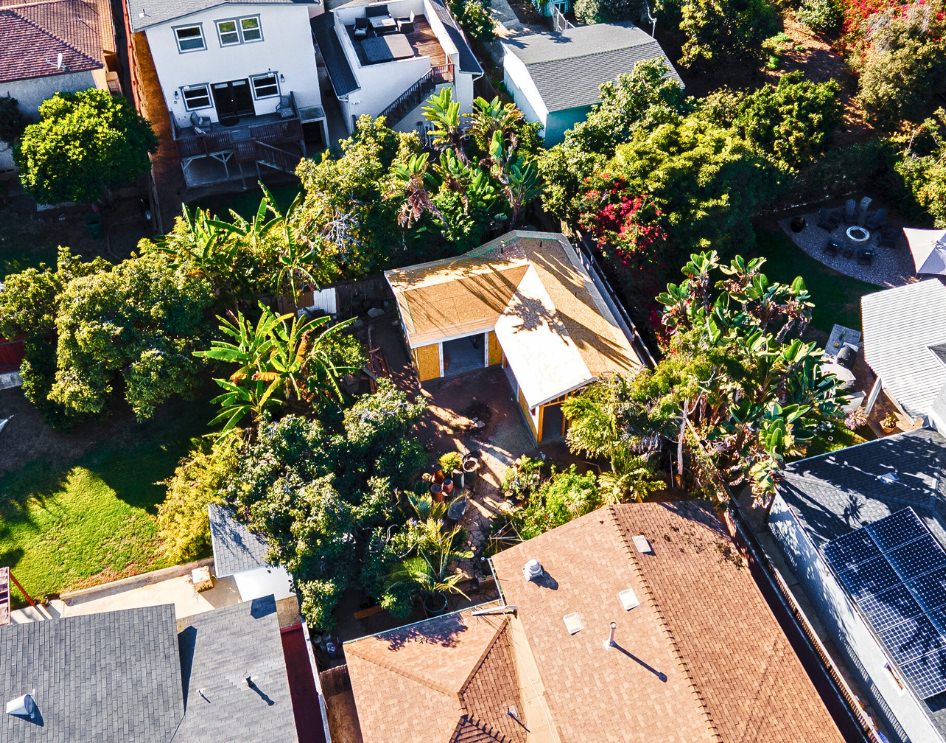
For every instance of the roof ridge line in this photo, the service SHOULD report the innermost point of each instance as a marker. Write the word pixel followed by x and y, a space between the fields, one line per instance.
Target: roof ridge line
pixel 406 674
pixel 674 644
pixel 98 32
pixel 479 663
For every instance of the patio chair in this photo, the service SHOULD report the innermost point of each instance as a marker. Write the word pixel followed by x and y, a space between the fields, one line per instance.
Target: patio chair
pixel 284 107
pixel 362 26
pixel 866 256
pixel 862 209
pixel 850 211
pixel 876 220
pixel 199 122
pixel 831 247
pixel 405 25
pixel 828 219
pixel 889 237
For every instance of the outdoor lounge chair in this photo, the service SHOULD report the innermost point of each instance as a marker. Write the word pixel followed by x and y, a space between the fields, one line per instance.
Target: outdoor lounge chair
pixel 866 256
pixel 362 26
pixel 850 211
pixel 828 219
pixel 405 25
pixel 889 237
pixel 199 122
pixel 284 107
pixel 831 247
pixel 876 220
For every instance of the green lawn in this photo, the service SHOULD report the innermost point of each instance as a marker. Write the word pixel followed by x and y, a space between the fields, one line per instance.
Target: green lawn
pixel 93 521
pixel 837 298
pixel 247 202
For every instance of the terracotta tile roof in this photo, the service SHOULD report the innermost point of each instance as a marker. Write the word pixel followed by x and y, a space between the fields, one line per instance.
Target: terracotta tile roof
pixel 445 679
pixel 33 34
pixel 744 669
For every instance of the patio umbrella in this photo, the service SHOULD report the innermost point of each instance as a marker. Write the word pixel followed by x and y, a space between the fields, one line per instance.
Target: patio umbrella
pixel 929 250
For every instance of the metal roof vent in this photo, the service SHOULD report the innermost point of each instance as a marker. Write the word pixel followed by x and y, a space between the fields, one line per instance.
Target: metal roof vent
pixel 23 706
pixel 889 478
pixel 532 570
pixel 628 599
pixel 642 545
pixel 574 623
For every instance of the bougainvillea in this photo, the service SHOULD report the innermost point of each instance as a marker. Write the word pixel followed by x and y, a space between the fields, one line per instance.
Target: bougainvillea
pixel 621 221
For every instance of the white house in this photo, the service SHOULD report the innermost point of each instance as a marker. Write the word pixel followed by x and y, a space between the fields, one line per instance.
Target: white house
pixel 555 78
pixel 239 81
pixel 53 46
pixel 863 531
pixel 905 346
pixel 388 58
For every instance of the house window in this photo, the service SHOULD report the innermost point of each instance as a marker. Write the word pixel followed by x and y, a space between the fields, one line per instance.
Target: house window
pixel 239 31
pixel 196 96
pixel 265 86
pixel 189 38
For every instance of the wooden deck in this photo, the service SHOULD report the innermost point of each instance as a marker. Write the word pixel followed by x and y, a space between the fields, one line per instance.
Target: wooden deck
pixel 422 39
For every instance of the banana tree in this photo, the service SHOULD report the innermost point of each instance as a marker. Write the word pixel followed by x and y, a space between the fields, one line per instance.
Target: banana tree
pixel 446 131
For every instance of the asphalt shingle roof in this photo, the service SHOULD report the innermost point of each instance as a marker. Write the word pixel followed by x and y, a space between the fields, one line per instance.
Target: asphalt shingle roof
pixel 569 68
pixel 834 494
pixel 100 678
pixel 235 547
pixel 219 649
pixel 146 13
pixel 900 327
pixel 33 35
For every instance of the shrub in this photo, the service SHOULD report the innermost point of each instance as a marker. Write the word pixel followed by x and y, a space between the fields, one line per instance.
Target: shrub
pixel 823 17
pixel 564 496
pixel 605 11
pixel 474 17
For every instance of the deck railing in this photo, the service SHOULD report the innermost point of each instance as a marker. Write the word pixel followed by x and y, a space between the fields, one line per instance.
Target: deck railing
pixel 418 92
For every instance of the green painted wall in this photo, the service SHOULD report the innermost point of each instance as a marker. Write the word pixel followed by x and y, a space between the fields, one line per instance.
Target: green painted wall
pixel 560 121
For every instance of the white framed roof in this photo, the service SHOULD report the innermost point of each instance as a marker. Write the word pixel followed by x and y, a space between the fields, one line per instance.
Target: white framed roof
pixel 544 359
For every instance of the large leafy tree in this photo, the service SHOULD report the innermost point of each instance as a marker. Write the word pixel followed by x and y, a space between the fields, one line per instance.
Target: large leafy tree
pixel 922 165
pixel 721 30
pixel 791 122
pixel 320 492
pixel 132 326
pixel 84 145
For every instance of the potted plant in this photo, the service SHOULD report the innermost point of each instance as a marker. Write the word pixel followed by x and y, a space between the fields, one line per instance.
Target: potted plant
pixel 429 573
pixel 436 490
pixel 889 422
pixel 451 464
pixel 470 466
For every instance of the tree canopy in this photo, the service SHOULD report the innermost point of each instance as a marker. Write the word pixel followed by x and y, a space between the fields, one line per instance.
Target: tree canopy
pixel 84 145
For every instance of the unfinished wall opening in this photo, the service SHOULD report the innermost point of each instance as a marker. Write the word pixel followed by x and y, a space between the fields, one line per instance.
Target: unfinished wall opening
pixel 463 354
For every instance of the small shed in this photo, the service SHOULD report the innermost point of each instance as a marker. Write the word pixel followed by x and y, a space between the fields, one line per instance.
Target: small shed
pixel 555 78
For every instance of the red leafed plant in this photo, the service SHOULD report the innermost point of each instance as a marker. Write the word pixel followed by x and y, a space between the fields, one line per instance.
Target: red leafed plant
pixel 621 221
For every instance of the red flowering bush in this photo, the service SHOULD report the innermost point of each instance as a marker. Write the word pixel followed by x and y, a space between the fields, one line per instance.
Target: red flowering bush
pixel 621 222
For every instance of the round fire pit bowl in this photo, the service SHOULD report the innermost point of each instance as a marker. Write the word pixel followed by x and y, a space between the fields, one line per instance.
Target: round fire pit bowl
pixel 857 235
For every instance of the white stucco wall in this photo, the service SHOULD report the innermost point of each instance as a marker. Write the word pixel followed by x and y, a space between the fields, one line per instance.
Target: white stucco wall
pixel 287 49
pixel 521 87
pixel 844 623
pixel 30 93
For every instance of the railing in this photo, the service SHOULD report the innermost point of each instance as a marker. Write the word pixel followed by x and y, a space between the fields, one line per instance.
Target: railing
pixel 417 93
pixel 275 158
pixel 559 22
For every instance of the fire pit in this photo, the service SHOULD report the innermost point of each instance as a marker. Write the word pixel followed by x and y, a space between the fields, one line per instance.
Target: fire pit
pixel 857 235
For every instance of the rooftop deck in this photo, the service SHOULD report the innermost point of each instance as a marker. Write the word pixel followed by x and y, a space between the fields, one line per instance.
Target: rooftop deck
pixel 422 39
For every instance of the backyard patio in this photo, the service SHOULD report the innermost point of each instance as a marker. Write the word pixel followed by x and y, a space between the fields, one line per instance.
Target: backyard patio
pixel 856 240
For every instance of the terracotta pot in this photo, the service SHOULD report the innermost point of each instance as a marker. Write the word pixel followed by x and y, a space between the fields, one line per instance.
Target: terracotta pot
pixel 436 490
pixel 448 486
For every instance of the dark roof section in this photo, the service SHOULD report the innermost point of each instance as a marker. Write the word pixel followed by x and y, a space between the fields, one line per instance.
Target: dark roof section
pixel 105 677
pixel 33 35
pixel 467 60
pixel 219 649
pixel 838 492
pixel 569 68
pixel 146 13
pixel 339 70
pixel 235 547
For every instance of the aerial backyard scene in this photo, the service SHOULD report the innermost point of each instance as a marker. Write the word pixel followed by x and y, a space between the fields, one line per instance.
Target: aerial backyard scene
pixel 456 371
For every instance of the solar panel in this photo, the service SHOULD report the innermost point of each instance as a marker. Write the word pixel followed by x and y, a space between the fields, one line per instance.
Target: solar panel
pixel 895 572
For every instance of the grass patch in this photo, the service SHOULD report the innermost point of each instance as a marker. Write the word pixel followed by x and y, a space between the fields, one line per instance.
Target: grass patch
pixel 840 438
pixel 93 521
pixel 246 203
pixel 837 297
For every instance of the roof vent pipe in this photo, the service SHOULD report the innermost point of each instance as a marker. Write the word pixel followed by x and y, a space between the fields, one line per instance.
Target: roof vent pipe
pixel 610 643
pixel 23 706
pixel 532 570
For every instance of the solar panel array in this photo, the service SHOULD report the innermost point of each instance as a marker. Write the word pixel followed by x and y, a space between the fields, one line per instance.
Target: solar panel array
pixel 895 572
